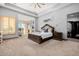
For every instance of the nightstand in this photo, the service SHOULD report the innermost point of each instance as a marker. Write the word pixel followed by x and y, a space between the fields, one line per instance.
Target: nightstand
pixel 58 35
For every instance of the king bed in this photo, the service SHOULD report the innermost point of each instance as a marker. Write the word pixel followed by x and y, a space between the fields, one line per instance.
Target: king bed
pixel 45 34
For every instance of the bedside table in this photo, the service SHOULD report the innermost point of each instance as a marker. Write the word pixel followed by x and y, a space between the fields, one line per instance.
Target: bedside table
pixel 58 35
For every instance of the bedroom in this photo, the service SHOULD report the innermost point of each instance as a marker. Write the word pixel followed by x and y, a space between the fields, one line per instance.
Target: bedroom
pixel 30 17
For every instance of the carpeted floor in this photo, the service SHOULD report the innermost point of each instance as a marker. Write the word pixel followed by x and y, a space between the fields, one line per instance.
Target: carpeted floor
pixel 25 47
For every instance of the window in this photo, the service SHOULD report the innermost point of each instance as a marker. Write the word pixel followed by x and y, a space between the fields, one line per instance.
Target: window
pixel 7 24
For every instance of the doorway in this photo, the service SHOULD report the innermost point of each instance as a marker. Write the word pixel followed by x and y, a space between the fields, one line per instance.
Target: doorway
pixel 24 27
pixel 73 25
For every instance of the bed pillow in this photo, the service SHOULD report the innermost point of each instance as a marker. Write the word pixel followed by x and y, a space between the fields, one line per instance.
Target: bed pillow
pixel 46 30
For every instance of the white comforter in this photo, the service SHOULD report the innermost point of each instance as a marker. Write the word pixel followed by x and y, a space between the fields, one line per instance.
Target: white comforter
pixel 43 34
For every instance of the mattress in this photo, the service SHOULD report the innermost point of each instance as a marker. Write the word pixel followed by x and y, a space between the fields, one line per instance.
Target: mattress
pixel 43 34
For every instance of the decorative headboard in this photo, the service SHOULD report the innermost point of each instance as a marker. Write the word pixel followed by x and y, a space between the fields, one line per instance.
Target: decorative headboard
pixel 48 27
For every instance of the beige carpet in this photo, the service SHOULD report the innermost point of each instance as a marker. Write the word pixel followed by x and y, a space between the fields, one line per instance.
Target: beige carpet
pixel 25 47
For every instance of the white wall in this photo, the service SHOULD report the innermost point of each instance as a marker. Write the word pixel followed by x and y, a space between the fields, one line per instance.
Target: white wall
pixel 24 17
pixel 59 18
pixel 19 16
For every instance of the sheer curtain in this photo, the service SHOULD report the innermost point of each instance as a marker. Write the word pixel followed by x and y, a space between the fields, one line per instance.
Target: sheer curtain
pixel 7 24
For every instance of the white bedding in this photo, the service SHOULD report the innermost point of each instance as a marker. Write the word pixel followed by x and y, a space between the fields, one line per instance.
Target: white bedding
pixel 43 34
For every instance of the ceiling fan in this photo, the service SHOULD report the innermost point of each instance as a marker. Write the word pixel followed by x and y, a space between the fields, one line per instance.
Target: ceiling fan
pixel 39 5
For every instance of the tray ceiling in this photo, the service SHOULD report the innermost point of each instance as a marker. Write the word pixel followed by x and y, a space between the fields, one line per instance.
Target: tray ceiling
pixel 33 7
